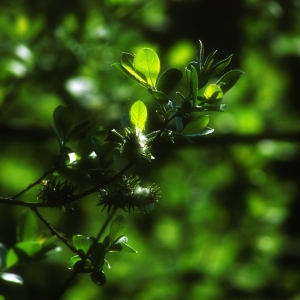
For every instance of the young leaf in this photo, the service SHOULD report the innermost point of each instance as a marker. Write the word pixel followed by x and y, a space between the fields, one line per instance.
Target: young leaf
pixel 117 228
pixel 81 242
pixel 213 93
pixel 63 120
pixel 138 115
pixel 27 228
pixel 98 277
pixel 168 80
pixel 147 63
pixel 196 125
pixel 228 80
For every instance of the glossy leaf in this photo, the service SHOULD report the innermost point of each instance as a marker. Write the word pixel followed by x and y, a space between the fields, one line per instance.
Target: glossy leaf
pixel 200 54
pixel 83 266
pixel 121 247
pixel 202 132
pixel 147 63
pixel 196 125
pixel 215 107
pixel 117 229
pixel 127 60
pixel 27 228
pixel 12 277
pixel 81 242
pixel 213 93
pixel 168 80
pixel 98 277
pixel 138 115
pixel 63 120
pixel 3 253
pixel 228 80
pixel 73 260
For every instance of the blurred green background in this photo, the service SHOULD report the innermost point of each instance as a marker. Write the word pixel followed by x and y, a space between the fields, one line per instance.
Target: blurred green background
pixel 227 225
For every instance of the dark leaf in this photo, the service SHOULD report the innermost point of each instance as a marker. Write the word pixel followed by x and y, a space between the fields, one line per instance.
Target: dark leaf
pixel 168 80
pixel 98 277
pixel 228 80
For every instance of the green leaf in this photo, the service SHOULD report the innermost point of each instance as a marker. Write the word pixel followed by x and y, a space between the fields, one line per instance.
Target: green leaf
pixel 196 125
pixel 228 80
pixel 194 83
pixel 121 247
pixel 98 255
pixel 22 252
pixel 204 131
pixel 161 97
pixel 209 61
pixel 117 229
pixel 131 73
pixel 3 253
pixel 213 93
pixel 57 135
pixel 200 55
pixel 83 266
pixel 125 121
pixel 220 66
pixel 78 129
pixel 98 277
pixel 27 228
pixel 63 120
pixel 147 63
pixel 138 115
pixel 214 107
pixel 11 278
pixel 127 60
pixel 81 242
pixel 106 152
pixel 168 80
pixel 73 260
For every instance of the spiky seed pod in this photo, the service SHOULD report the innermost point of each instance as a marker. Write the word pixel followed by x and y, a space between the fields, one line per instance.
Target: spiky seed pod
pixel 129 194
pixel 56 194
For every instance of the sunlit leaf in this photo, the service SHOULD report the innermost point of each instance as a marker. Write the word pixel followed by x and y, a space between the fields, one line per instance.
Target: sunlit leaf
pixel 196 125
pixel 194 82
pixel 147 63
pixel 117 228
pixel 138 115
pixel 121 247
pixel 27 228
pixel 202 132
pixel 213 93
pixel 131 73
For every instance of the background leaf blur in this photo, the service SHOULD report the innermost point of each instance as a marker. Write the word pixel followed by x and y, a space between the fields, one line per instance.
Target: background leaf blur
pixel 227 222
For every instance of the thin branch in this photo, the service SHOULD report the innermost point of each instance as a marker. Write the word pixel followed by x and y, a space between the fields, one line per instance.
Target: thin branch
pixel 52 230
pixel 33 184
